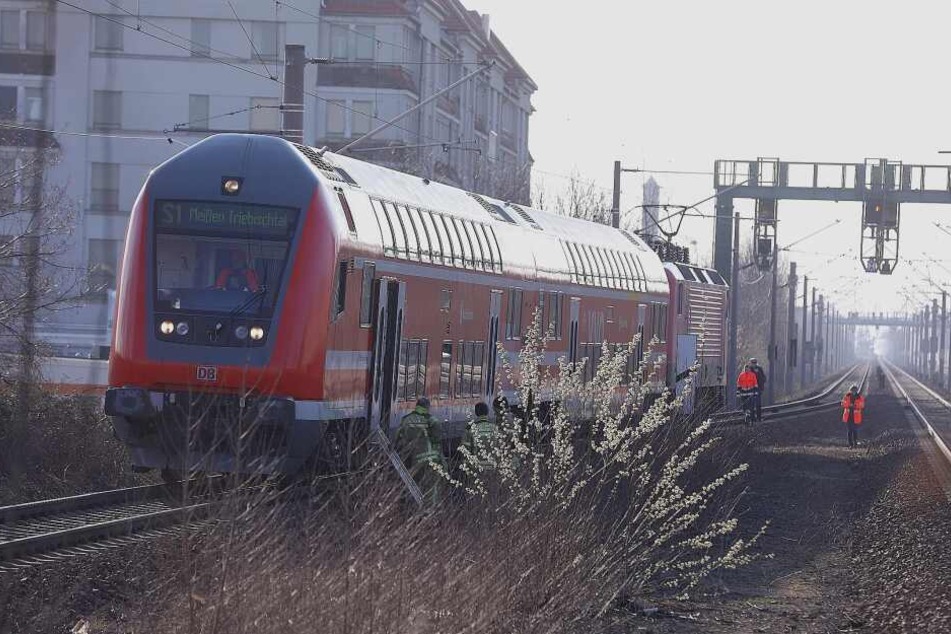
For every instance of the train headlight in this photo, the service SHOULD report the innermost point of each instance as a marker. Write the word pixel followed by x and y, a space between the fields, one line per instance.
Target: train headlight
pixel 167 327
pixel 241 332
pixel 257 333
pixel 230 186
pixel 182 328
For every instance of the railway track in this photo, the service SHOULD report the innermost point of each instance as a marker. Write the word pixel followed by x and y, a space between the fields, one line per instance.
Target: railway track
pixel 49 530
pixel 815 403
pixel 929 407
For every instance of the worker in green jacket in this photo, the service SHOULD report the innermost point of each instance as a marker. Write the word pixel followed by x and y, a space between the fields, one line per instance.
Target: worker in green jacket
pixel 480 437
pixel 419 445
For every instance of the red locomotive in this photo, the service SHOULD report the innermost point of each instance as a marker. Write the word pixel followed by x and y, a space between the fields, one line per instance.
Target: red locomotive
pixel 273 297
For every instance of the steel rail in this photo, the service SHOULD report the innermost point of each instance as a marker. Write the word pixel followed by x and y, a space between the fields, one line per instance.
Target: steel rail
pixel 941 444
pixel 55 506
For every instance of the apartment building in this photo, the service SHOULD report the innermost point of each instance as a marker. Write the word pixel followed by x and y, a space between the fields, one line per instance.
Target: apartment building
pixel 125 84
pixel 390 55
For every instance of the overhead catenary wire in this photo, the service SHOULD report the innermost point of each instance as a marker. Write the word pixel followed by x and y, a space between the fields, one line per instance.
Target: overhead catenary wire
pixel 254 48
pixel 166 139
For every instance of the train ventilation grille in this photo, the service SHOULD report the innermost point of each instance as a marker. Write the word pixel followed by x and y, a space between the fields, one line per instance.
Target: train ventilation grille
pixel 494 210
pixel 524 216
pixel 633 240
pixel 329 170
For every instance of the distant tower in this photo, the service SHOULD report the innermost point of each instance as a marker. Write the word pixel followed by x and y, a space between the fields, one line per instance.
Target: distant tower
pixel 649 210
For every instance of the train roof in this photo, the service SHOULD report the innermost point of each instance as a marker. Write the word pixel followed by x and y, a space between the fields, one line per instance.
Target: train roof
pixel 532 240
pixel 693 273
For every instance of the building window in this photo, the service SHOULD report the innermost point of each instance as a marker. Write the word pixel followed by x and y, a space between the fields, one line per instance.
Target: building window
pixel 106 109
pixel 8 103
pixel 362 116
pixel 365 49
pixel 33 105
pixel 10 29
pixel 198 112
pixel 8 183
pixel 513 319
pixel 108 34
pixel 336 118
pixel 201 38
pixel 105 187
pixel 265 114
pixel 36 30
pixel 265 38
pixel 339 35
pixel 102 261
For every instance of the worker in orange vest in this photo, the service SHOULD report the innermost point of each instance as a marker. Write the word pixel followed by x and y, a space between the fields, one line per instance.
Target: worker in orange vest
pixel 747 388
pixel 852 405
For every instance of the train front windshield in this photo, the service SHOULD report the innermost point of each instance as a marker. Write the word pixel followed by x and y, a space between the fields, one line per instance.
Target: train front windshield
pixel 220 258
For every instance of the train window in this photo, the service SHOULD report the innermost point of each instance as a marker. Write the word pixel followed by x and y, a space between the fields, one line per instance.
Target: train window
pixel 542 321
pixel 386 227
pixel 495 242
pixel 594 273
pixel 610 317
pixel 680 298
pixel 411 376
pixel 464 370
pixel 422 233
pixel 574 263
pixel 623 278
pixel 415 246
pixel 629 276
pixel 399 236
pixel 659 322
pixel 468 238
pixel 445 369
pixel 366 295
pixel 641 276
pixel 445 300
pixel 454 244
pixel 513 319
pixel 340 291
pixel 478 366
pixel 467 259
pixel 686 272
pixel 614 280
pixel 439 236
pixel 481 250
pixel 716 277
pixel 555 303
pixel 412 242
pixel 489 248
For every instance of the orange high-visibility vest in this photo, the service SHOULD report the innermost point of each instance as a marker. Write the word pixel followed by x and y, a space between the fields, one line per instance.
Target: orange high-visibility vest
pixel 855 408
pixel 747 380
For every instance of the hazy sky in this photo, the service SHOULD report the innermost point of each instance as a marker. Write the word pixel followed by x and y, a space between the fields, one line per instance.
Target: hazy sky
pixel 676 85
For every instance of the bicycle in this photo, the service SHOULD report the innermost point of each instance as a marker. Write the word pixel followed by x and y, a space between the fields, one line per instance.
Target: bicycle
pixel 746 404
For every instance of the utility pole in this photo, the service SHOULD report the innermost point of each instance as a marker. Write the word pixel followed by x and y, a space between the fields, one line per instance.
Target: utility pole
pixel 734 309
pixel 944 328
pixel 805 323
pixel 772 352
pixel 820 359
pixel 812 334
pixel 616 197
pixel 933 341
pixel 792 346
pixel 292 108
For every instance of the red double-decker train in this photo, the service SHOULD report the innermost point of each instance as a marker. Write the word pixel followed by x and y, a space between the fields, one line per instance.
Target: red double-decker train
pixel 272 298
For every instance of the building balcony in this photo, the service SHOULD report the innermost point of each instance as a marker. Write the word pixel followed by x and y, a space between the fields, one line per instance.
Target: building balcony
pixel 358 76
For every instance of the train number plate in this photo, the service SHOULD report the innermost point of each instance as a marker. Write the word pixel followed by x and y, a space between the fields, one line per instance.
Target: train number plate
pixel 207 373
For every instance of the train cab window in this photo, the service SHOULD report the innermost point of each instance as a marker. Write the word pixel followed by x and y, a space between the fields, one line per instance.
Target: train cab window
pixel 686 272
pixel 340 289
pixel 445 369
pixel 455 247
pixel 422 234
pixel 366 295
pixel 513 318
pixel 206 260
pixel 716 278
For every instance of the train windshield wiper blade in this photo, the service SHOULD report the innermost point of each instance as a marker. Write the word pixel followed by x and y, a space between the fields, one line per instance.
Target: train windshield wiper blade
pixel 246 304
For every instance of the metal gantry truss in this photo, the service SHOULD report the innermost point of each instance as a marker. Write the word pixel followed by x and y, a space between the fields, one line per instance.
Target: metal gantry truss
pixel 881 185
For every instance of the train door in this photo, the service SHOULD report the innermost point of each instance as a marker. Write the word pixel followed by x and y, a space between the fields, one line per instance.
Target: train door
pixel 574 315
pixel 686 358
pixel 491 351
pixel 388 330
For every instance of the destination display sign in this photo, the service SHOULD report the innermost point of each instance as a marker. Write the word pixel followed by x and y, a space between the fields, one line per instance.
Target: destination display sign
pixel 218 217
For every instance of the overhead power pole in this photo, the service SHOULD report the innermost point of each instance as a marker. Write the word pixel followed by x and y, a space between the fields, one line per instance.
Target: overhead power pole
pixel 944 329
pixel 772 352
pixel 292 124
pixel 792 345
pixel 731 364
pixel 805 323
pixel 616 197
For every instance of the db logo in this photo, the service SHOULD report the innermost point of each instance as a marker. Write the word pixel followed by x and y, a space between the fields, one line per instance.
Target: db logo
pixel 207 373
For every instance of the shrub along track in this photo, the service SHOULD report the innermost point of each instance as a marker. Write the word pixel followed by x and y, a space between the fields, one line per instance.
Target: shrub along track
pixel 859 537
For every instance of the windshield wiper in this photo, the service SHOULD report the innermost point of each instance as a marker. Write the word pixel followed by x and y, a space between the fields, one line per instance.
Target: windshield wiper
pixel 246 304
